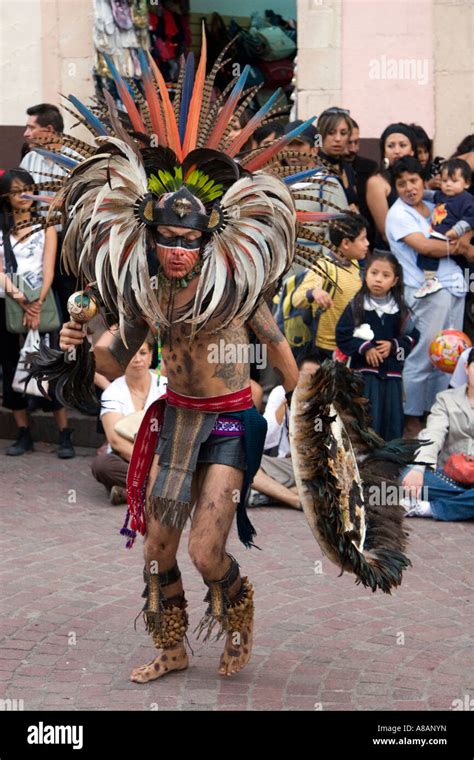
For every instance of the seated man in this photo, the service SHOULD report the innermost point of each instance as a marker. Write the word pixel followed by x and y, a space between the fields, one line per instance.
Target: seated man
pixel 274 484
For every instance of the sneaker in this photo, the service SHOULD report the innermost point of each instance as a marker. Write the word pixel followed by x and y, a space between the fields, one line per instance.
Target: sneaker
pixel 65 450
pixel 429 286
pixel 23 443
pixel 416 508
pixel 257 499
pixel 118 495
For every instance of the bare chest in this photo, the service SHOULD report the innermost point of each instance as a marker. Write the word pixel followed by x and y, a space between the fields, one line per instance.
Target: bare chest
pixel 213 363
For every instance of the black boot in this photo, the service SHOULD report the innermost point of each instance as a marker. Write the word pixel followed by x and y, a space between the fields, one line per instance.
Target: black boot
pixel 23 443
pixel 65 450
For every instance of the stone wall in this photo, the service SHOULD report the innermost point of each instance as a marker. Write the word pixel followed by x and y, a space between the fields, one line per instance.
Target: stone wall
pixel 389 60
pixel 45 49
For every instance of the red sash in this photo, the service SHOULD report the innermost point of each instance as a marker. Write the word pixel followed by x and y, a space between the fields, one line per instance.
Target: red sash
pixel 146 441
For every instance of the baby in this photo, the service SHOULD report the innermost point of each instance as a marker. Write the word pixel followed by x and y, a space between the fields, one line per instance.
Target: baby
pixel 452 216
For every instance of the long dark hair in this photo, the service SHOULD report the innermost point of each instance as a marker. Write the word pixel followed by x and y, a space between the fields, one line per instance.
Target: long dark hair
pixel 7 222
pixel 396 291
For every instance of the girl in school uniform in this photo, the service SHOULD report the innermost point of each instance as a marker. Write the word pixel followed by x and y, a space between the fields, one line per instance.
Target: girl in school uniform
pixel 376 332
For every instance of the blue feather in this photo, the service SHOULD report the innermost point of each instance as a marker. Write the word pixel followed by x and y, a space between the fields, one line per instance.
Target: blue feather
pixel 269 104
pixel 58 158
pixel 116 76
pixel 92 120
pixel 297 130
pixel 186 94
pixel 299 176
pixel 142 59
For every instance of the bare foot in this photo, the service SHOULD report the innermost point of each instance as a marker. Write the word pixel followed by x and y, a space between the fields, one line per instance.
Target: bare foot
pixel 236 655
pixel 169 660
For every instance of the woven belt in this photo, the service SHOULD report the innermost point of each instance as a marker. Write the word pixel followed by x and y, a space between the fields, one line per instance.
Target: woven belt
pixel 228 426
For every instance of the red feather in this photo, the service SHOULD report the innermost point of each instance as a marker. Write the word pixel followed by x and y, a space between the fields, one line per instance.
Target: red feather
pixel 132 110
pixel 227 112
pixel 170 119
pixel 318 216
pixel 190 137
pixel 154 107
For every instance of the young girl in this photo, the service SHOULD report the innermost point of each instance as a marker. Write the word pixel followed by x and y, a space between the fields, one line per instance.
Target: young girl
pixel 373 330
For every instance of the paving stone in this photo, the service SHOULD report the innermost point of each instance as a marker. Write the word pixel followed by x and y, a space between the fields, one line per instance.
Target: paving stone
pixel 320 640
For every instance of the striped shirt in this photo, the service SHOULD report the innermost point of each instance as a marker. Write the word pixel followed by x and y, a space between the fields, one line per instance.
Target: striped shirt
pixel 40 167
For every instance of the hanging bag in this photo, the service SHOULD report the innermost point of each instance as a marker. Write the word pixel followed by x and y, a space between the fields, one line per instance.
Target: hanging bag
pixel 30 285
pixel 278 44
pixel 49 317
pixel 30 345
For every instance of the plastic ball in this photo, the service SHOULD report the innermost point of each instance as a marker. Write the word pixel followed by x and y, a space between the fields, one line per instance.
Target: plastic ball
pixel 82 306
pixel 446 348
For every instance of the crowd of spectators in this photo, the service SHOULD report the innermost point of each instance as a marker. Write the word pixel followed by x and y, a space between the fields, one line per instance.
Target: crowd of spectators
pixel 397 271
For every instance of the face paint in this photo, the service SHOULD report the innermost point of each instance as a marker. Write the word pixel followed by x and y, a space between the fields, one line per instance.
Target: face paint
pixel 177 260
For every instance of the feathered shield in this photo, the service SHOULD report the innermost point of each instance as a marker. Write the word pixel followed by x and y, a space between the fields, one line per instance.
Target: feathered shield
pixel 344 472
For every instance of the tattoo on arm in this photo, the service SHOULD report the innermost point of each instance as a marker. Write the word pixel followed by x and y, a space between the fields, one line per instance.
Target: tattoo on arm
pixel 264 326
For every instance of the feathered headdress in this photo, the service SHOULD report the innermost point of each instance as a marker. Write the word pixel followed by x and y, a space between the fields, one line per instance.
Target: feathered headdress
pixel 177 166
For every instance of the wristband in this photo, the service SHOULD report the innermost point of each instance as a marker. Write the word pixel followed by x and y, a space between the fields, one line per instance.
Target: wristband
pixel 310 296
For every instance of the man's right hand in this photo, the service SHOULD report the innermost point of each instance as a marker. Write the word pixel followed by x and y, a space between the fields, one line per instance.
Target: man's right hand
pixel 71 334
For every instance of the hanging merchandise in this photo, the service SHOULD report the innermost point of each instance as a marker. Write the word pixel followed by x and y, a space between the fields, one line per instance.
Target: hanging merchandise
pixel 277 73
pixel 122 15
pixel 140 14
pixel 278 44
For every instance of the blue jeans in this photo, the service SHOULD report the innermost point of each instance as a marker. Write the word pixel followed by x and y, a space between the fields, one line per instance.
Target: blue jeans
pixel 449 500
pixel 421 380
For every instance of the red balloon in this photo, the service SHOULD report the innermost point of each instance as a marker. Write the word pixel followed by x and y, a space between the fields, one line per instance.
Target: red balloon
pixel 446 348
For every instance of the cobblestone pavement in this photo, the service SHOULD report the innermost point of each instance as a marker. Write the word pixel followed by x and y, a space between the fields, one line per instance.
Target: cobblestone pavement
pixel 70 593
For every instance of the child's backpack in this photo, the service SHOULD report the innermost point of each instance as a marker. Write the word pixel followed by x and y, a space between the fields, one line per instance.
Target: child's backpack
pixel 298 325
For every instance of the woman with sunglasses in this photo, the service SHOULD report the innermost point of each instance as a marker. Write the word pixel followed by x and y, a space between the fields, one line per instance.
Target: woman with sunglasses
pixel 334 126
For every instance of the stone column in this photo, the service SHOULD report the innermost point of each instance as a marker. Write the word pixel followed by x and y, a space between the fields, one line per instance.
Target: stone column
pixel 453 73
pixel 319 73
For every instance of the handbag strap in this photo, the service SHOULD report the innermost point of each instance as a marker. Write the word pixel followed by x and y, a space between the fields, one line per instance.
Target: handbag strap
pixel 11 263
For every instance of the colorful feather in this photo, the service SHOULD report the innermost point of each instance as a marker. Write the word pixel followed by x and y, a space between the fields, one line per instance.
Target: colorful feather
pixel 172 133
pixel 93 122
pixel 299 176
pixel 228 110
pixel 306 217
pixel 116 124
pixel 253 124
pixel 195 104
pixel 65 161
pixel 126 97
pixel 152 99
pixel 269 152
pixel 179 87
pixel 186 94
pixel 208 87
pixel 39 198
